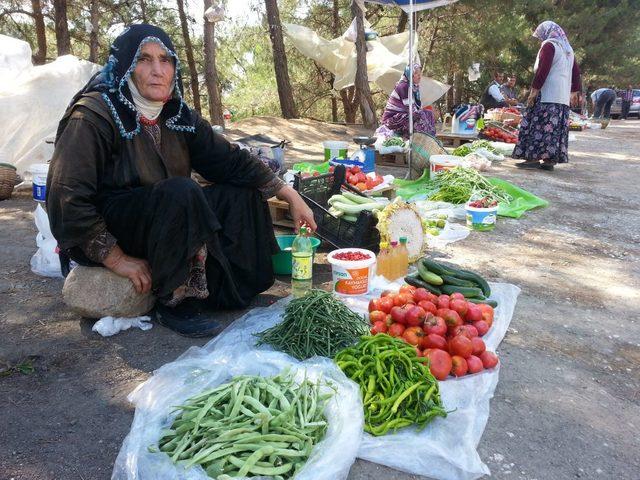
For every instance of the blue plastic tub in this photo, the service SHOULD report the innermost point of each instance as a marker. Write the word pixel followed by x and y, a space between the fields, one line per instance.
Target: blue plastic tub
pixel 481 219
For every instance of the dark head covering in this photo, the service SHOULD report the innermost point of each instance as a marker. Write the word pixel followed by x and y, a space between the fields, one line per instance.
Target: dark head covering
pixel 111 81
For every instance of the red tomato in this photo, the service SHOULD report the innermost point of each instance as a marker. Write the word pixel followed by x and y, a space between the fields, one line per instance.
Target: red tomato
pixel 443 301
pixel 474 313
pixel 356 169
pixel 465 330
pixel 398 314
pixel 385 304
pixel 435 325
pixel 460 345
pixel 402 299
pixel 415 316
pixel 413 336
pixel 420 294
pixel 487 313
pixel 407 289
pixel 377 316
pixel 396 330
pixel 433 298
pixel 427 306
pixel 489 359
pixel 434 341
pixel 458 366
pixel 456 296
pixel 439 363
pixel 452 318
pixel 475 364
pixel 379 327
pixel 482 327
pixel 459 306
pixel 374 304
pixel 478 345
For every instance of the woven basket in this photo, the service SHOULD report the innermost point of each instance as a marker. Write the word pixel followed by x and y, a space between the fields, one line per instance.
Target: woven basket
pixel 422 147
pixel 8 179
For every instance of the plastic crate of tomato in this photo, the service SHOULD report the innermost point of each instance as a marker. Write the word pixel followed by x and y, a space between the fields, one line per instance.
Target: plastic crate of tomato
pixel 316 191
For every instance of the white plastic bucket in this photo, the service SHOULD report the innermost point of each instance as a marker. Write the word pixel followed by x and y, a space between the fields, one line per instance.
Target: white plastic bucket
pixel 440 163
pixel 352 277
pixel 39 172
pixel 335 149
pixel 481 219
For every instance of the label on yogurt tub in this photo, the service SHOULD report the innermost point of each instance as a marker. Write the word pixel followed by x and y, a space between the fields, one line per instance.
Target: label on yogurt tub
pixel 352 281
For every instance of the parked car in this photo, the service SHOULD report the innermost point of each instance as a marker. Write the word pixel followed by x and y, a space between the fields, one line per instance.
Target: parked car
pixel 616 108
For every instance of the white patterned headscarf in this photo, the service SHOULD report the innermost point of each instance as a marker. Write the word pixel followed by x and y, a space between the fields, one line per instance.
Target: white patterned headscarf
pixel 551 31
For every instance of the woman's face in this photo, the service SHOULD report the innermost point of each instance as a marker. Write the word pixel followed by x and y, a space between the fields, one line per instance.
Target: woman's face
pixel 154 72
pixel 417 76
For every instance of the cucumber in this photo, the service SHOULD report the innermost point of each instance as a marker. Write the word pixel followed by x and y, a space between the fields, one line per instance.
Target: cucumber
pixel 493 303
pixel 356 198
pixel 474 277
pixel 416 281
pixel 428 276
pixel 450 280
pixel 468 292
pixel 435 267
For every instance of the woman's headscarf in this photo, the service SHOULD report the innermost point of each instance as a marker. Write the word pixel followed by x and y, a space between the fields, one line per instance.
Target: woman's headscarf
pixel 551 31
pixel 112 81
pixel 410 70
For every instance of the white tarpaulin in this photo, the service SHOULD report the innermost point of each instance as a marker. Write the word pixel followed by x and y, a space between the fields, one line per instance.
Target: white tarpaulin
pixel 33 99
pixel 386 60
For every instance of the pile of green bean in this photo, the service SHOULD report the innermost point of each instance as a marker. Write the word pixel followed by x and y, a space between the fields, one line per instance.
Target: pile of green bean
pixel 316 324
pixel 397 387
pixel 250 426
pixel 459 184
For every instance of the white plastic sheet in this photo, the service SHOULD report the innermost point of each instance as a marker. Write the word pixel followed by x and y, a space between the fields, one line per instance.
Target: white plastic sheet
pixel 199 369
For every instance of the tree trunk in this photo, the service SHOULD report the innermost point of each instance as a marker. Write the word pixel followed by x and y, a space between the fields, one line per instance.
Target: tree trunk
pixel 63 41
pixel 402 22
pixel 367 107
pixel 94 45
pixel 349 103
pixel 193 72
pixel 287 105
pixel 458 86
pixel 143 11
pixel 41 35
pixel 211 71
pixel 450 103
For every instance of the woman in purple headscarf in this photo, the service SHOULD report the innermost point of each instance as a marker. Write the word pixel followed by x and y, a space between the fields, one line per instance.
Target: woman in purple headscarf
pixel 396 113
pixel 544 131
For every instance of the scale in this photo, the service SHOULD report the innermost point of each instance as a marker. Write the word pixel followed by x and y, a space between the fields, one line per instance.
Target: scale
pixel 366 154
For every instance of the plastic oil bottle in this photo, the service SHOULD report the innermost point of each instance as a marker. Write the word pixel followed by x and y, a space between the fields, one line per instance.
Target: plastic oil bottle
pixel 393 261
pixel 382 261
pixel 302 264
pixel 403 258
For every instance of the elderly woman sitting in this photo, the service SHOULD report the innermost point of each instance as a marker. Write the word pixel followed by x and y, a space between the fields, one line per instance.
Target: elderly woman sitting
pixel 120 193
pixel 395 119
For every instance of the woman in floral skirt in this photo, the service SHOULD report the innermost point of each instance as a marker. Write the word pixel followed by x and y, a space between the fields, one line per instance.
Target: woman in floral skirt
pixel 544 131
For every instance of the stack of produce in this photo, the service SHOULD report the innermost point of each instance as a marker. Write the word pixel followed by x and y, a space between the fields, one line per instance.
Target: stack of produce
pixel 348 205
pixel 439 279
pixel 363 182
pixel 435 224
pixel 467 148
pixel 500 134
pixel 397 388
pixel 316 324
pixel 393 142
pixel 251 426
pixel 459 184
pixel 446 329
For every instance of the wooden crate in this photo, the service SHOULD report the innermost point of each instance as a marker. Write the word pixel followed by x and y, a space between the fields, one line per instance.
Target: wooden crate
pixel 391 159
pixel 280 213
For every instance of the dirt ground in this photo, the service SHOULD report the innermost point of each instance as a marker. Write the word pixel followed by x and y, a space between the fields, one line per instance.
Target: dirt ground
pixel 568 402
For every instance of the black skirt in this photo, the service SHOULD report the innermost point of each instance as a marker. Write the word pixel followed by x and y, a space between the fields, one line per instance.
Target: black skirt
pixel 168 222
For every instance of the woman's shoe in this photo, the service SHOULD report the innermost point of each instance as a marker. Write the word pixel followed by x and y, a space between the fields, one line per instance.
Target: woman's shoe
pixel 528 164
pixel 547 166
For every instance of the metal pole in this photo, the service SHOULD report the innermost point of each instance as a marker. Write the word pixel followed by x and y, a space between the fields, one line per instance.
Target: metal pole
pixel 411 27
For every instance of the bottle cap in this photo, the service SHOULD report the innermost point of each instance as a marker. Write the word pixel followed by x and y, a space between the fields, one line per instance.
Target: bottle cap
pixel 403 239
pixel 384 245
pixel 394 243
pixel 303 230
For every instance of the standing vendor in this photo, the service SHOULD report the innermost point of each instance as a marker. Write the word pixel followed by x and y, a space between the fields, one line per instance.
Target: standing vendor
pixel 120 193
pixel 396 113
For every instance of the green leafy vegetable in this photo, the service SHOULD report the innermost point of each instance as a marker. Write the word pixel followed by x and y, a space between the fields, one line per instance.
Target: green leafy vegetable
pixel 459 184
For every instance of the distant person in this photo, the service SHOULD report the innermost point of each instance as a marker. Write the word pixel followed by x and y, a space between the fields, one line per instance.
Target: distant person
pixel 544 132
pixel 508 90
pixel 627 98
pixel 396 112
pixel 492 96
pixel 603 99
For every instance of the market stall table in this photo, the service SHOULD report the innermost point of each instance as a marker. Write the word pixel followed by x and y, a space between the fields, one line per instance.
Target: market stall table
pixel 455 139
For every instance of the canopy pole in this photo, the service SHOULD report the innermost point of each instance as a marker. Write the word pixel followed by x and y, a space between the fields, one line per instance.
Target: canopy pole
pixel 411 32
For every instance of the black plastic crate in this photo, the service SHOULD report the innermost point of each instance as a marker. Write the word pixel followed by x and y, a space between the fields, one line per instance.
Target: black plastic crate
pixel 316 191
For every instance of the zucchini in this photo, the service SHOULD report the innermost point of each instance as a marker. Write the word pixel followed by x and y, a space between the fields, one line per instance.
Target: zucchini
pixel 335 212
pixel 350 218
pixel 415 281
pixel 468 292
pixel 341 199
pixel 352 209
pixel 428 276
pixel 493 303
pixel 450 280
pixel 356 198
pixel 435 267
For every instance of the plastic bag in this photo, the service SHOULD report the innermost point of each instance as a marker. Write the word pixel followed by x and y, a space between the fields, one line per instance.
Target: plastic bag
pixel 108 326
pixel 45 261
pixel 199 369
pixel 215 13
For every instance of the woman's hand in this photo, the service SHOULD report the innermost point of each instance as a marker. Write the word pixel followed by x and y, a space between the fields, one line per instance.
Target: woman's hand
pixel 533 94
pixel 300 211
pixel 135 269
pixel 575 99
